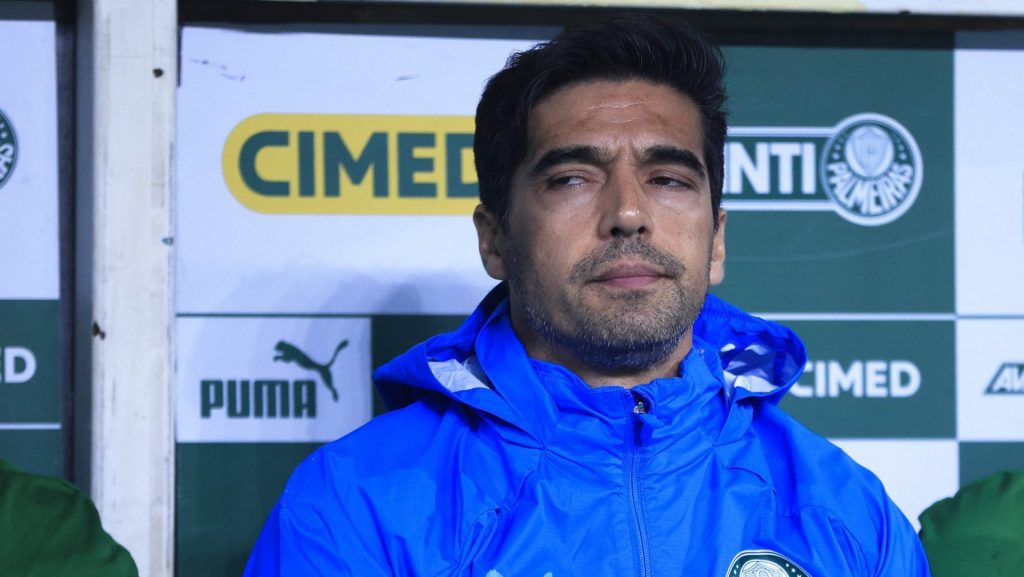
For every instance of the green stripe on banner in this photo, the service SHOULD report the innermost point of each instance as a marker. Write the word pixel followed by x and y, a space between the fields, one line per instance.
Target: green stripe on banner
pixel 981 459
pixel 876 379
pixel 30 435
pixel 38 451
pixel 225 492
pixel 784 259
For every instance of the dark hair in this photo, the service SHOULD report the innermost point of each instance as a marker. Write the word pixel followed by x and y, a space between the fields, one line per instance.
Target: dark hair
pixel 622 49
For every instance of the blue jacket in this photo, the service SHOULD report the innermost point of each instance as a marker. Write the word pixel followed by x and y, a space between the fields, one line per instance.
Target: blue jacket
pixel 498 465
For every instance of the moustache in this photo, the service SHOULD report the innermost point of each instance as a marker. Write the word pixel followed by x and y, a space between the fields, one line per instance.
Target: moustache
pixel 592 265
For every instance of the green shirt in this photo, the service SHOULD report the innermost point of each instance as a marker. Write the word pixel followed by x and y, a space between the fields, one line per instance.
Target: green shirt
pixel 49 528
pixel 979 532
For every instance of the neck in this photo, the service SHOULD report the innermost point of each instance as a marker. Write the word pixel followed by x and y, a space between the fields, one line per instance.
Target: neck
pixel 540 349
pixel 595 378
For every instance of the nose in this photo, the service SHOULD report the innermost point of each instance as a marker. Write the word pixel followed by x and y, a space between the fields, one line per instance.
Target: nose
pixel 625 210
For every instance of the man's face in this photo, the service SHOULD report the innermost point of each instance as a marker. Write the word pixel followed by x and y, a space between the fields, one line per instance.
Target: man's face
pixel 610 244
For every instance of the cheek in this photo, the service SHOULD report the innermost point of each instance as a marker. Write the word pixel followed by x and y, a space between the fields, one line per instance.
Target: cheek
pixel 555 236
pixel 692 243
pixel 686 233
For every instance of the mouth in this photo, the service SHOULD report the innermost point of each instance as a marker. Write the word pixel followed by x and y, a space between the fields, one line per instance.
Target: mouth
pixel 629 275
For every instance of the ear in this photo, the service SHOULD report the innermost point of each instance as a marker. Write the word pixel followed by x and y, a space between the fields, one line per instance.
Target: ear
pixel 718 251
pixel 490 240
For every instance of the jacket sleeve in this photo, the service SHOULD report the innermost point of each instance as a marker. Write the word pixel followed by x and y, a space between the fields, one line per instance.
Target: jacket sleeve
pixel 310 532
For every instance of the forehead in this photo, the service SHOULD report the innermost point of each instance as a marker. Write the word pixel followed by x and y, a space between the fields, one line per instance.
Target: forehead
pixel 636 113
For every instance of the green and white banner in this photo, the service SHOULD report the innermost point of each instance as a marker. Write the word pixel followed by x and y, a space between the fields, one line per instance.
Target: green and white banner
pixel 325 182
pixel 989 251
pixel 272 379
pixel 29 261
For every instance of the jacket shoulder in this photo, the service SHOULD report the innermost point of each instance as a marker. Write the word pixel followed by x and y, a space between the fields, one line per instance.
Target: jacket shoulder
pixel 817 472
pixel 809 473
pixel 390 497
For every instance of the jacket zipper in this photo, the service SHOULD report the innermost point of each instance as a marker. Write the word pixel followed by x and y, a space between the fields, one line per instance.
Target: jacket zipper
pixel 639 408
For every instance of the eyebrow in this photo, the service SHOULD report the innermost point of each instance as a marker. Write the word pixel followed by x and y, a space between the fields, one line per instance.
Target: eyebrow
pixel 673 155
pixel 566 154
pixel 593 155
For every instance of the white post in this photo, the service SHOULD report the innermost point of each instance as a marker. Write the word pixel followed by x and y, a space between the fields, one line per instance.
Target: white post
pixel 134 79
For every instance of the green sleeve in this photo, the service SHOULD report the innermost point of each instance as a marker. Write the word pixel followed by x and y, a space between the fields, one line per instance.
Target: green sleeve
pixel 979 532
pixel 48 527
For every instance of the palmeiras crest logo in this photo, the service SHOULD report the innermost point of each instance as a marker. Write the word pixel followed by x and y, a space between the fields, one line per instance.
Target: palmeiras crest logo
pixel 764 564
pixel 872 169
pixel 8 149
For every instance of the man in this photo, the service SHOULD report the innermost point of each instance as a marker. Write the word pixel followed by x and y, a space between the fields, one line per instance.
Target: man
pixel 598 414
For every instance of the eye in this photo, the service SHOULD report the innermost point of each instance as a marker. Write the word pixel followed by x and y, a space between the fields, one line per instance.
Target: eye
pixel 566 180
pixel 670 181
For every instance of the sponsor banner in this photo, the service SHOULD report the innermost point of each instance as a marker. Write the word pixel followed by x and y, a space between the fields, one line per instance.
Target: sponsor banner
pixel 949 7
pixel 990 379
pixel 838 184
pixel 989 173
pixel 867 169
pixel 872 379
pixel 272 379
pixel 357 183
pixel 29 366
pixel 30 406
pixel 29 265
pixel 870 166
pixel 916 473
pixel 352 164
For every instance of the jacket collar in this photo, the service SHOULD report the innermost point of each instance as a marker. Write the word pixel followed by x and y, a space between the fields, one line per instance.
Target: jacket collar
pixel 736 359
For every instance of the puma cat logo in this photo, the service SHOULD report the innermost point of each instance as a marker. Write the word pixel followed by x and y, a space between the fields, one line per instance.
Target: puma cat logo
pixel 289 353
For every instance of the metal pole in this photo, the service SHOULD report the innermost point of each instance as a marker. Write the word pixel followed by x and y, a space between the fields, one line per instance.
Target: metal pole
pixel 134 77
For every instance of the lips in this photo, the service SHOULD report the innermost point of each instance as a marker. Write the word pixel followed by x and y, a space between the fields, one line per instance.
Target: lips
pixel 629 275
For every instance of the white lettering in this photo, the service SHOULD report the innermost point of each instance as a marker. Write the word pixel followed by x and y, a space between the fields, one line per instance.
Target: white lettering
pixel 875 379
pixel 785 152
pixel 19 365
pixel 850 381
pixel 6 158
pixel 809 182
pixel 821 379
pixel 785 158
pixel 870 197
pixel 842 181
pixel 904 379
pixel 757 172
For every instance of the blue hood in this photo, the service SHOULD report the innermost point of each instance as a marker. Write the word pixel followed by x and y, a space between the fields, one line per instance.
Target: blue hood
pixel 751 357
